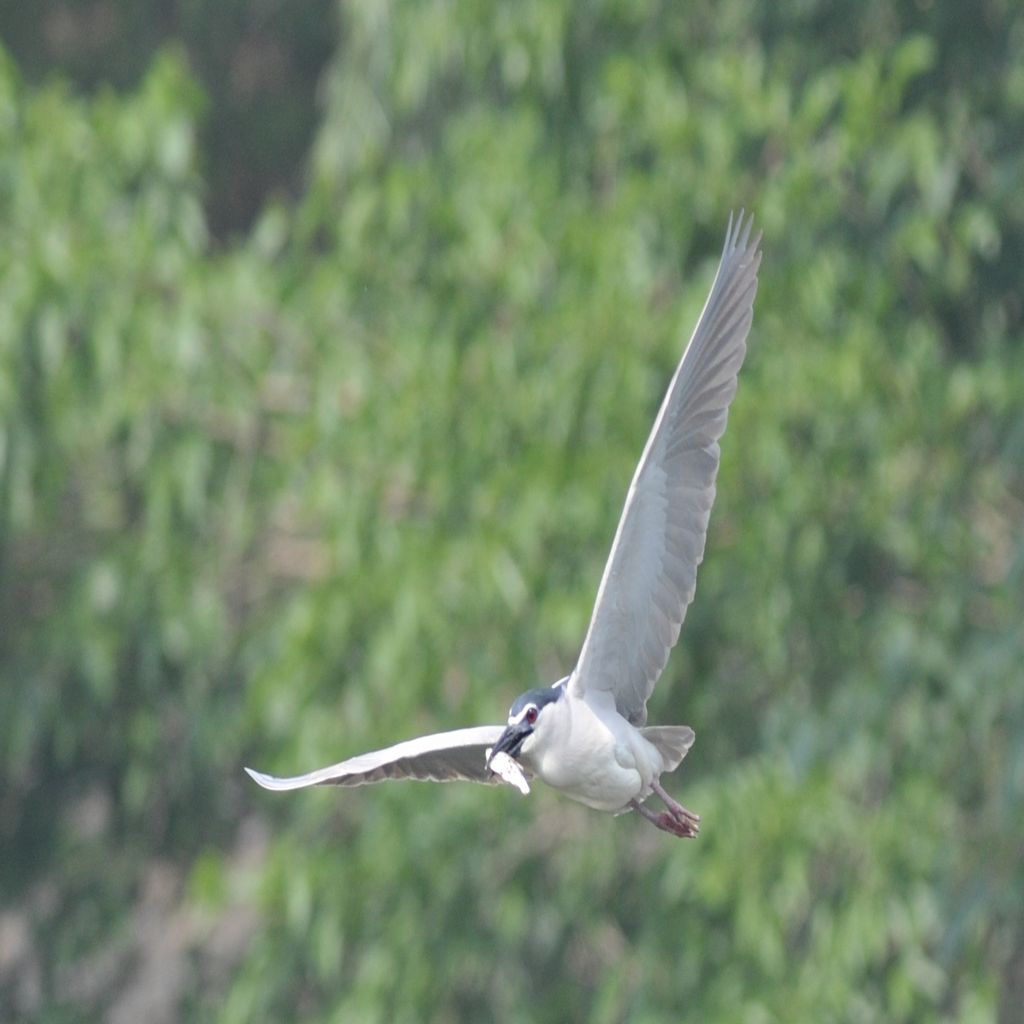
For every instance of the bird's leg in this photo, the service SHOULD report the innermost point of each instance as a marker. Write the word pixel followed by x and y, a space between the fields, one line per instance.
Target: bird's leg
pixel 665 821
pixel 677 810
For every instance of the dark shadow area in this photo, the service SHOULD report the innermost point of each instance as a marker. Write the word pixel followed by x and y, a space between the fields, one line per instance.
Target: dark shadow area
pixel 259 65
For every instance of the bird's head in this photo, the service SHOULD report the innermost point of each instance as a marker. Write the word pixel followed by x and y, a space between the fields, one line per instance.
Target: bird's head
pixel 528 713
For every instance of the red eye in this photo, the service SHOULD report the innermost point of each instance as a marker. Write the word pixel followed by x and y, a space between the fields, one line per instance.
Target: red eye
pixel 531 715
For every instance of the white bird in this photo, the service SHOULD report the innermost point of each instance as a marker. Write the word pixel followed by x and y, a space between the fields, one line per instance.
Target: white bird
pixel 586 735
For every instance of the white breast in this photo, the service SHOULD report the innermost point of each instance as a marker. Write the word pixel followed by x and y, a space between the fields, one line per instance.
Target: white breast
pixel 592 755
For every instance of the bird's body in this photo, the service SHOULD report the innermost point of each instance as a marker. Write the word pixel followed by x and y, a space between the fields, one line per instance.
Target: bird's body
pixel 587 751
pixel 597 759
pixel 586 735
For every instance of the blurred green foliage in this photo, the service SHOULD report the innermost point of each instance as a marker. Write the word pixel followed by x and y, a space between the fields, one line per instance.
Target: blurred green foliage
pixel 353 476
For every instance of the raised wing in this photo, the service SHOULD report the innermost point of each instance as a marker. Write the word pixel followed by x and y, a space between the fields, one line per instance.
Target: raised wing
pixel 442 757
pixel 651 574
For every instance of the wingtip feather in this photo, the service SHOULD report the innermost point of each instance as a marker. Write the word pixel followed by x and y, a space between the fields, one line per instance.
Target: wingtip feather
pixel 266 781
pixel 737 232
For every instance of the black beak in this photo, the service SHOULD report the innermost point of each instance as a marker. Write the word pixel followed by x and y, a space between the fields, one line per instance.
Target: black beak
pixel 511 740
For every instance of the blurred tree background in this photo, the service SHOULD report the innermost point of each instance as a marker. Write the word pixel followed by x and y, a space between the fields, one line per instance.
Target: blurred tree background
pixel 329 338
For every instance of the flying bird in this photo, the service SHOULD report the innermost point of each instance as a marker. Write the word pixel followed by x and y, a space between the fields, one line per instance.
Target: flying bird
pixel 586 735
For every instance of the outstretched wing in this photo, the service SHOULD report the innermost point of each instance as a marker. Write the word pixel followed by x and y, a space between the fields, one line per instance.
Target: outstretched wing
pixel 651 574
pixel 442 757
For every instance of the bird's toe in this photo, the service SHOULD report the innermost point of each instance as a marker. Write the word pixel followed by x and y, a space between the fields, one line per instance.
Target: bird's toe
pixel 677 826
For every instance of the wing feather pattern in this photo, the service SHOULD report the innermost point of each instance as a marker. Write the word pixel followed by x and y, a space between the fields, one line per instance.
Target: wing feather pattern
pixel 441 757
pixel 651 574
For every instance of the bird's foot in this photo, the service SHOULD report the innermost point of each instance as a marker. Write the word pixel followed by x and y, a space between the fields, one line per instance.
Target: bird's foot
pixel 668 822
pixel 684 828
pixel 686 819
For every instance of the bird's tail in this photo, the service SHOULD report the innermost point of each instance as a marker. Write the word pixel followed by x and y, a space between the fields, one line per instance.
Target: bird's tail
pixel 671 741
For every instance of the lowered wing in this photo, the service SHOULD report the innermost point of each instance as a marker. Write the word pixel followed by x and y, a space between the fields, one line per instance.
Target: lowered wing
pixel 651 574
pixel 441 757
